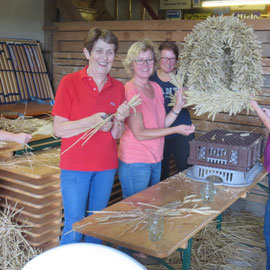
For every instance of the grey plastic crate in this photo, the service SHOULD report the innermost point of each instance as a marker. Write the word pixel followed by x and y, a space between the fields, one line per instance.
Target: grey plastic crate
pixel 229 177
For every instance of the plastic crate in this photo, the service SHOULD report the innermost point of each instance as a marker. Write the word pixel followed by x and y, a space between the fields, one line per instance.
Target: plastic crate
pixel 230 150
pixel 229 177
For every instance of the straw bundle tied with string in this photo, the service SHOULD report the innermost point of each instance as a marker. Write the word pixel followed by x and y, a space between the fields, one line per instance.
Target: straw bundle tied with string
pixel 134 101
pixel 221 66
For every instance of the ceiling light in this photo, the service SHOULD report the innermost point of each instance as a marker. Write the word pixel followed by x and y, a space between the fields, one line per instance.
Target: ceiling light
pixel 234 3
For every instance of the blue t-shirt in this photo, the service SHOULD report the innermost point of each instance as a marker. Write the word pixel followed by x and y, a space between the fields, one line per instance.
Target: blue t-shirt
pixel 168 88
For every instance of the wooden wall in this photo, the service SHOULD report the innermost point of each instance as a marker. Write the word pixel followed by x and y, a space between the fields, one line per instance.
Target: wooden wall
pixel 68 57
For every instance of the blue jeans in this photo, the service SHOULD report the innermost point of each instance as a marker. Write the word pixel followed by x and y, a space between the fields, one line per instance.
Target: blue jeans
pixel 135 177
pixel 81 192
pixel 267 228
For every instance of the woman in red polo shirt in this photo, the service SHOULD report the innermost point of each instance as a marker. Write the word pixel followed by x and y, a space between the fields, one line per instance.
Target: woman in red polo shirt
pixel 82 99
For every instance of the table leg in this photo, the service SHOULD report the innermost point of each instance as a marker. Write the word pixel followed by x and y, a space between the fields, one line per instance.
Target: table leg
pixel 219 221
pixel 186 255
pixel 265 188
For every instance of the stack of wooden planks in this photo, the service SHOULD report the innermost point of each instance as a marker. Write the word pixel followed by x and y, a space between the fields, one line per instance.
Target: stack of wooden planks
pixel 23 74
pixel 31 184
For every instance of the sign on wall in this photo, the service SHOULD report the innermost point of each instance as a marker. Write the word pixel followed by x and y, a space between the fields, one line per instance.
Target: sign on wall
pixel 174 4
pixel 196 3
pixel 197 16
pixel 247 15
pixel 173 14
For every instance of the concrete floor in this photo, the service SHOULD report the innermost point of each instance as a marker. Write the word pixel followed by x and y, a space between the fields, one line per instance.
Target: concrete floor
pixel 242 205
pixel 256 209
pixel 248 260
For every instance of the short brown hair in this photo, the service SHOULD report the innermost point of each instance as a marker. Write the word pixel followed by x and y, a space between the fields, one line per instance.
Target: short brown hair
pixel 96 33
pixel 170 46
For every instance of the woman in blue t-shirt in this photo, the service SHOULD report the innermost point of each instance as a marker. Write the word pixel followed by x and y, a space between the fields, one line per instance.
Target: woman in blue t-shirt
pixel 175 144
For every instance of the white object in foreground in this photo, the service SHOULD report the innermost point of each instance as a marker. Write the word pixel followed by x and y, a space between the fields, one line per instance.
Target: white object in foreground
pixel 83 256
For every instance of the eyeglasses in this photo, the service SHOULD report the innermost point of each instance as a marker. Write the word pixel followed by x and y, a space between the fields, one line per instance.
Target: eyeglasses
pixel 140 62
pixel 167 59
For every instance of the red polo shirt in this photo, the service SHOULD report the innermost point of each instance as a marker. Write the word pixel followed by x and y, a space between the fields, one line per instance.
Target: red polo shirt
pixel 78 97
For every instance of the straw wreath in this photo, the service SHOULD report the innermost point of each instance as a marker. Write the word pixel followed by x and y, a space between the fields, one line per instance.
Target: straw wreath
pixel 221 66
pixel 134 101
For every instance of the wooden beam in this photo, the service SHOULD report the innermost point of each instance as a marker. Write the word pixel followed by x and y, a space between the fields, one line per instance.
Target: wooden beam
pixel 149 9
pixel 50 12
pixel 50 17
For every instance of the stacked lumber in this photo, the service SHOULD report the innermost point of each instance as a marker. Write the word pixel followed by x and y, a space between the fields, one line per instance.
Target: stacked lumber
pixel 23 74
pixel 31 184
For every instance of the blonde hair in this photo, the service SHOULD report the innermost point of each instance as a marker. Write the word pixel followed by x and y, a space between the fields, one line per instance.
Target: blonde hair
pixel 135 49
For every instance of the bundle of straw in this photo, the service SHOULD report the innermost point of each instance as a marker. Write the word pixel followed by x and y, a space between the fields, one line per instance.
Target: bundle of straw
pixel 137 217
pixel 45 158
pixel 134 101
pixel 15 251
pixel 178 82
pixel 47 129
pixel 34 126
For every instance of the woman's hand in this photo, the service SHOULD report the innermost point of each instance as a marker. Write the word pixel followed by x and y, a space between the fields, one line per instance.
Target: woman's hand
pixel 180 101
pixel 263 113
pixel 97 118
pixel 65 128
pixel 22 138
pixel 266 111
pixel 123 112
pixel 253 104
pixel 107 127
pixel 185 129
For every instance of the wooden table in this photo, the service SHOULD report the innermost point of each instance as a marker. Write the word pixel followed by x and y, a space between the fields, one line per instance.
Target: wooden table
pixel 178 232
pixel 29 109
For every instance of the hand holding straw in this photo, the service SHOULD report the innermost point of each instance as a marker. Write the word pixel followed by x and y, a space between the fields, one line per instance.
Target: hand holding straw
pixel 134 101
pixel 177 81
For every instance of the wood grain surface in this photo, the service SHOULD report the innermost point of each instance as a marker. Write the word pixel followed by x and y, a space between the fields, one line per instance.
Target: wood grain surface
pixel 177 230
